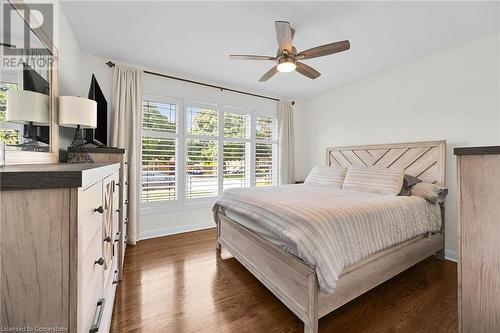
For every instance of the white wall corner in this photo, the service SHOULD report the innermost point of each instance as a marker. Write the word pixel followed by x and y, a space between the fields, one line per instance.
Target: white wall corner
pixel 450 255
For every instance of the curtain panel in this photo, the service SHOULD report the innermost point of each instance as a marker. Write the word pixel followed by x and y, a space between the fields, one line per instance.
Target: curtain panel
pixel 125 130
pixel 286 143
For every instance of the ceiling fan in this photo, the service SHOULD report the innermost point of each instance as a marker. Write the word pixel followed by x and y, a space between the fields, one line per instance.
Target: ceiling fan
pixel 287 57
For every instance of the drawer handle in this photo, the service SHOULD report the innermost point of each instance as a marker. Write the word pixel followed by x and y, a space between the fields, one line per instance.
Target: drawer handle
pixel 99 261
pixel 95 327
pixel 115 281
pixel 108 239
pixel 99 209
pixel 118 210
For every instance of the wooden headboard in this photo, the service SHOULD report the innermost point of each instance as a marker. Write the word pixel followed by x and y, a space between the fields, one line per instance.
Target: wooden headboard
pixel 425 160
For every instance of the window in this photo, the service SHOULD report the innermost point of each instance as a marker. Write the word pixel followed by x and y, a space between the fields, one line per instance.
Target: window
pixel 201 152
pixel 236 146
pixel 10 133
pixel 192 152
pixel 159 151
pixel 266 146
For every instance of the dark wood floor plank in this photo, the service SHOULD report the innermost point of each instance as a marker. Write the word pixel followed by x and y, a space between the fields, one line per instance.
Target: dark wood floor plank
pixel 179 284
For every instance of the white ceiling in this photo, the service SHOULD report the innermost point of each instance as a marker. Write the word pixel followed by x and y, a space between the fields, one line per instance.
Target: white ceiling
pixel 195 39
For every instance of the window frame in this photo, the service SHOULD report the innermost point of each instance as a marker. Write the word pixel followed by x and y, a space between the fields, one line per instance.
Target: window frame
pixel 190 103
pixel 249 139
pixel 164 204
pixel 183 203
pixel 273 141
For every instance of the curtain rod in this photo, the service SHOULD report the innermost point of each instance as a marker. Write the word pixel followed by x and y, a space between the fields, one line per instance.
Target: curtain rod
pixel 112 64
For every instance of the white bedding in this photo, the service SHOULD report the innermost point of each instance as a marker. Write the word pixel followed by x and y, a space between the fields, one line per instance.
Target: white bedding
pixel 330 229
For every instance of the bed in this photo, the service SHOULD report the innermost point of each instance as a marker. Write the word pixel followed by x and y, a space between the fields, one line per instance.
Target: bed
pixel 294 281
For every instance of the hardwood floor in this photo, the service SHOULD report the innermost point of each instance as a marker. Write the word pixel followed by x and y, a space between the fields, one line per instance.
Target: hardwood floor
pixel 179 284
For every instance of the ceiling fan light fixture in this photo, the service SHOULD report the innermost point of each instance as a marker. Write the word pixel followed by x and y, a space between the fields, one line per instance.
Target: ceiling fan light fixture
pixel 286 65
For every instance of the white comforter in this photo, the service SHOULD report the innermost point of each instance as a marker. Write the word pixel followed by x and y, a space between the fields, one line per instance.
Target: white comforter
pixel 332 229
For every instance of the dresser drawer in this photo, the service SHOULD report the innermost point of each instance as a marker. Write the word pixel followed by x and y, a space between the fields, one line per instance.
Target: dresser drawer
pixel 89 214
pixel 91 282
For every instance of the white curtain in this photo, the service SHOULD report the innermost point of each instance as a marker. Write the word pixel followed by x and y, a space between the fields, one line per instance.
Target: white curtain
pixel 286 148
pixel 126 120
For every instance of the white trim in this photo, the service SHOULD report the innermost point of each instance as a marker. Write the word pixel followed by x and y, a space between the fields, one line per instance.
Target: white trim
pixel 175 230
pixel 450 255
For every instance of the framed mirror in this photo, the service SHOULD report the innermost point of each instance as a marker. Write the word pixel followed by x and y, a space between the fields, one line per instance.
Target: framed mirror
pixel 28 86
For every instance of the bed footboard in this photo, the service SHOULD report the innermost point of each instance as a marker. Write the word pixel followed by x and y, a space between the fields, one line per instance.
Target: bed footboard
pixel 288 278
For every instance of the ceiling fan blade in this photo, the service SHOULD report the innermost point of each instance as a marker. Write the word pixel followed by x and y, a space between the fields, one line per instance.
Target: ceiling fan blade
pixel 324 50
pixel 250 57
pixel 284 35
pixel 307 70
pixel 269 74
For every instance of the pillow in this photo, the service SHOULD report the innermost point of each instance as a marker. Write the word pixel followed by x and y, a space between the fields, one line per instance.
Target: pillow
pixel 408 182
pixel 431 192
pixel 326 176
pixel 374 180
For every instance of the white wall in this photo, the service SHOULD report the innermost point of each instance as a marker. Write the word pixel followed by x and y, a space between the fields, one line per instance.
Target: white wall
pixel 75 69
pixel 453 95
pixel 69 59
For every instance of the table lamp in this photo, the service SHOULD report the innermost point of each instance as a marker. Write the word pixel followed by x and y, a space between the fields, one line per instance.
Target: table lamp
pixel 78 113
pixel 28 108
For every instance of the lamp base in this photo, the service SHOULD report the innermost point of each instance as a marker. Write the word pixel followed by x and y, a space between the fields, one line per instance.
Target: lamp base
pixel 31 145
pixel 77 152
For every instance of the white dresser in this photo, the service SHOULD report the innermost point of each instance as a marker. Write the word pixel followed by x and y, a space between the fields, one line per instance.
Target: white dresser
pixel 60 245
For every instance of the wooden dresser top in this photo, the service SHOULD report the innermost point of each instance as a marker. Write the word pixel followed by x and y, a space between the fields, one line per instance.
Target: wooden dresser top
pixel 57 175
pixel 486 150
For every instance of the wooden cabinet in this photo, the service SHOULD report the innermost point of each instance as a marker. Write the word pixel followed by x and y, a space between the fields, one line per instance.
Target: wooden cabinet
pixel 58 251
pixel 479 239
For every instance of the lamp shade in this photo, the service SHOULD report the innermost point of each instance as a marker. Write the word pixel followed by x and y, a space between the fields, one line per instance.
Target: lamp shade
pixel 74 111
pixel 26 107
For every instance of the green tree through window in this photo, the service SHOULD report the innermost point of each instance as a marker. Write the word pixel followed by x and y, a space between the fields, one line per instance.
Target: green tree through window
pixel 8 136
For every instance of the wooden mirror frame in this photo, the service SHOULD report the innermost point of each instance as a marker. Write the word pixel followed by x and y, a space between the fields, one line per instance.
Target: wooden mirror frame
pixel 52 156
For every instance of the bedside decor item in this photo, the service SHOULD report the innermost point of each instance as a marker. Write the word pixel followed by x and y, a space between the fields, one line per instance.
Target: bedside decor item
pixel 78 113
pixel 30 108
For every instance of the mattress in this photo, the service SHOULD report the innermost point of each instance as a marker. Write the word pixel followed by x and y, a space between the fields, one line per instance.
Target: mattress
pixel 330 229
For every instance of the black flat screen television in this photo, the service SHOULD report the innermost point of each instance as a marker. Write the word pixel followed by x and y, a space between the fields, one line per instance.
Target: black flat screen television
pixel 99 135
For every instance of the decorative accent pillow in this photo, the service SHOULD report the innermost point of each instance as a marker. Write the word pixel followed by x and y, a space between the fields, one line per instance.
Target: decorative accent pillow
pixel 374 180
pixel 326 176
pixel 408 183
pixel 431 192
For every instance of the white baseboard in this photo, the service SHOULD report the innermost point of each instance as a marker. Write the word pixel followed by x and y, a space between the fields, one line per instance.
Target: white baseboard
pixel 450 255
pixel 175 230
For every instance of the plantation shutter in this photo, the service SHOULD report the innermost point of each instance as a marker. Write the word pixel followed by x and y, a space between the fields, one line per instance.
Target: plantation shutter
pixel 202 156
pixel 236 154
pixel 159 151
pixel 266 147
